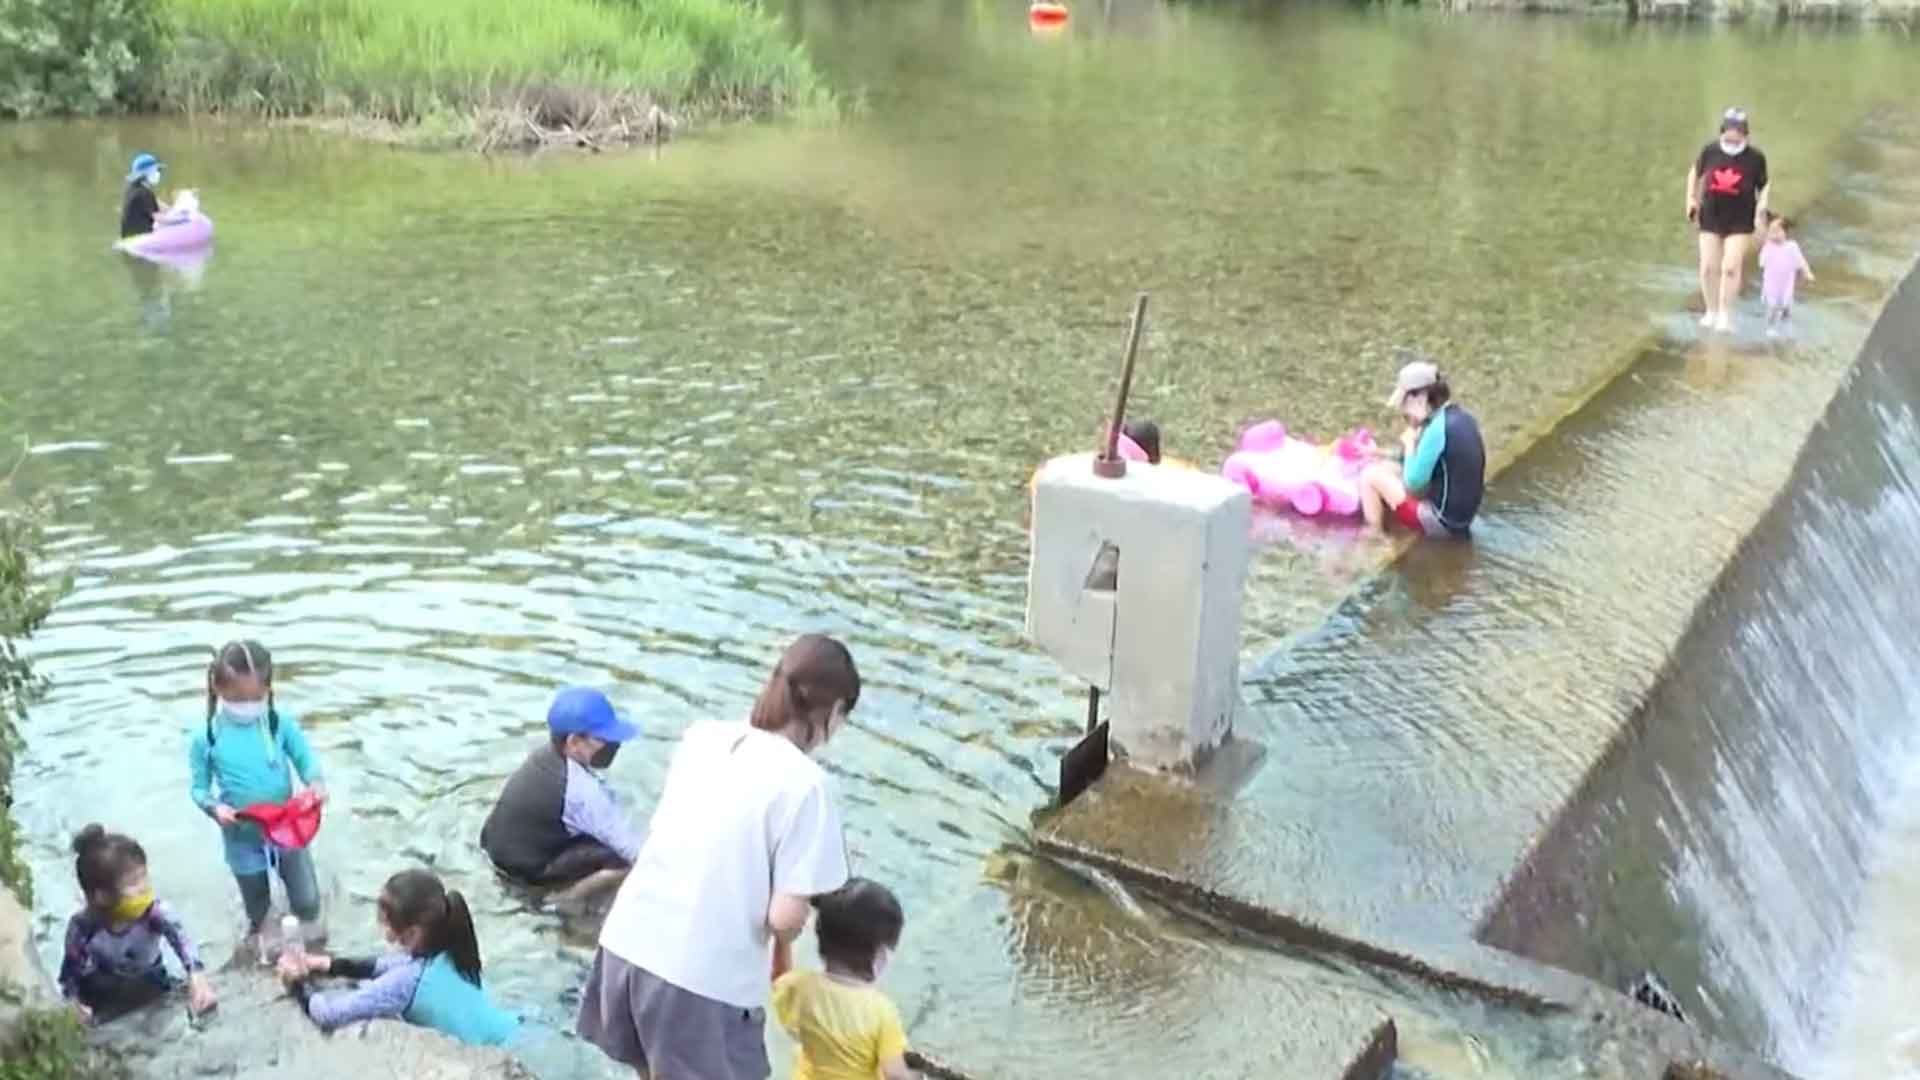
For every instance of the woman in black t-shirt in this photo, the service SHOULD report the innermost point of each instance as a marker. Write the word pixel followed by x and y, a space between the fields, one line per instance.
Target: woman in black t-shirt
pixel 1727 198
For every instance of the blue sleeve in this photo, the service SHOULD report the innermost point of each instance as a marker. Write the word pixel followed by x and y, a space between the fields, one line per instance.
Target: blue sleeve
pixel 294 741
pixel 200 768
pixel 388 995
pixel 167 922
pixel 588 809
pixel 1426 453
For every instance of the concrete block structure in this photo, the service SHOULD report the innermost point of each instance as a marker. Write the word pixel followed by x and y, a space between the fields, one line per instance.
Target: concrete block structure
pixel 1135 586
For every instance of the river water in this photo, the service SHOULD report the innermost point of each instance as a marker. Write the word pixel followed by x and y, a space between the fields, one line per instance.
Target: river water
pixel 448 432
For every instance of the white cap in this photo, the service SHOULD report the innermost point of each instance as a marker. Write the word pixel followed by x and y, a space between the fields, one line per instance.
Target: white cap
pixel 1414 377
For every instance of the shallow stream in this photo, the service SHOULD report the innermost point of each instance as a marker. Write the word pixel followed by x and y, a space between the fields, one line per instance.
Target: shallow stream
pixel 449 432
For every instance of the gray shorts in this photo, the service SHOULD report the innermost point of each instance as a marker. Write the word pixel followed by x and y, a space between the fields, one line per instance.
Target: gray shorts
pixel 642 1020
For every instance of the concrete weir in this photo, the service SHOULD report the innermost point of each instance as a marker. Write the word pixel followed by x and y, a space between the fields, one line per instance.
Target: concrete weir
pixel 1423 743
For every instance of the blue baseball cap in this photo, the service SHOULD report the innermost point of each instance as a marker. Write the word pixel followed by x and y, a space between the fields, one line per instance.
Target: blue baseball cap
pixel 141 163
pixel 582 710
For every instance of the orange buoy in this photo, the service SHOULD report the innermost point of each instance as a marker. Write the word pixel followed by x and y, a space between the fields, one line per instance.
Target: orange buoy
pixel 1045 13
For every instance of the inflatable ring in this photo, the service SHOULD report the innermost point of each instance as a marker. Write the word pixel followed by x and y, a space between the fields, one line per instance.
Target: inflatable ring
pixel 1044 13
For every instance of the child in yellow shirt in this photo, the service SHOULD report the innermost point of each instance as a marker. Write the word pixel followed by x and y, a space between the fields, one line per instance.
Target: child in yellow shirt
pixel 847 1029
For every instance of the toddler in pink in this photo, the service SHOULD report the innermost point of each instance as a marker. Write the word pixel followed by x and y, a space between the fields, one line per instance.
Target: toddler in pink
pixel 1781 264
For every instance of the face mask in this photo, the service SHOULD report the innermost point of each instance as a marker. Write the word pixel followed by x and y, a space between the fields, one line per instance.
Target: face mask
pixel 129 908
pixel 880 961
pixel 603 757
pixel 1730 149
pixel 243 712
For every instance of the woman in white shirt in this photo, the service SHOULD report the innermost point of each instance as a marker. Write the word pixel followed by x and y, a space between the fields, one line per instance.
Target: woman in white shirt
pixel 745 833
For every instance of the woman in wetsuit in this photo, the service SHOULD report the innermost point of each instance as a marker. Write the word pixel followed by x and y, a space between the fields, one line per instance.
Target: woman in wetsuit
pixel 139 205
pixel 1727 199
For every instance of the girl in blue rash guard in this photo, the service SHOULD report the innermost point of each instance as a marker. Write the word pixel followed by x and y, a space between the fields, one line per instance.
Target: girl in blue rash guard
pixel 247 753
pixel 432 978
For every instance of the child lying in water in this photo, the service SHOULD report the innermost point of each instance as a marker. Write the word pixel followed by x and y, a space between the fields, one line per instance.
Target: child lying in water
pixel 430 978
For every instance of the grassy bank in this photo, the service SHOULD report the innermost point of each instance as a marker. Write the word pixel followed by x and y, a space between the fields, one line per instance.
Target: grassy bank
pixel 483 70
pixel 35 1043
pixel 24 603
pixel 472 72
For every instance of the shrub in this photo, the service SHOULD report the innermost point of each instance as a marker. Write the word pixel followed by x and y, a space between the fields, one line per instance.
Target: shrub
pixel 50 1045
pixel 24 603
pixel 76 56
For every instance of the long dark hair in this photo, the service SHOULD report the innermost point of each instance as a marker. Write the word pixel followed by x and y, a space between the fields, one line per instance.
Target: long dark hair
pixel 815 672
pixel 857 920
pixel 231 661
pixel 101 859
pixel 416 898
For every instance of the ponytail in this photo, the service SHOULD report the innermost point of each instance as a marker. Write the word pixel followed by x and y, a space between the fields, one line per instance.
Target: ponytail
pixel 101 859
pixel 416 898
pixel 459 939
pixel 213 696
pixel 815 672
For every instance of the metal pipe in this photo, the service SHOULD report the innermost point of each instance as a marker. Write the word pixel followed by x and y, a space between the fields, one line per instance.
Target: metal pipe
pixel 1109 463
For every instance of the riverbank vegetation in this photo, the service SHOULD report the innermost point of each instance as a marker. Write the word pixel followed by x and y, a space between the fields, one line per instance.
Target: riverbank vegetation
pixel 25 600
pixel 472 72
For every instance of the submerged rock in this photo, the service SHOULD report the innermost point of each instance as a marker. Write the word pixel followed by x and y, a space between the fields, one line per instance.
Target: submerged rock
pixel 258 1031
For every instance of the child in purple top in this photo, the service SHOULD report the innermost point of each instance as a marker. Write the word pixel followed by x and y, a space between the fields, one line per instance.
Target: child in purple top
pixel 1781 264
pixel 112 961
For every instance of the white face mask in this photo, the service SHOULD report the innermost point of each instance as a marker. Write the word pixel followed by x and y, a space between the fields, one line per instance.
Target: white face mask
pixel 1731 149
pixel 243 712
pixel 880 961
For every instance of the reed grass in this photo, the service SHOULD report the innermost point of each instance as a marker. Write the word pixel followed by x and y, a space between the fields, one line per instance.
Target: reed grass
pixel 464 65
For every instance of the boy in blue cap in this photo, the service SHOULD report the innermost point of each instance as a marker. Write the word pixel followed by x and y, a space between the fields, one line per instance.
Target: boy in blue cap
pixel 555 823
pixel 139 206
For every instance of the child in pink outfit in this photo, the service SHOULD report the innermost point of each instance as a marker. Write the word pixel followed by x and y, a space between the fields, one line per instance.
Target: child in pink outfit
pixel 1781 264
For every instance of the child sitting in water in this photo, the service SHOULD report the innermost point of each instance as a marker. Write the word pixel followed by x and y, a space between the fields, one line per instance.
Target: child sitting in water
pixel 1145 435
pixel 140 207
pixel 847 1029
pixel 431 978
pixel 1781 264
pixel 112 962
pixel 247 753
pixel 555 824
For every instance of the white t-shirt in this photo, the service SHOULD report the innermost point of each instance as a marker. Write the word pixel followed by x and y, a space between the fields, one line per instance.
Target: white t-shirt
pixel 744 815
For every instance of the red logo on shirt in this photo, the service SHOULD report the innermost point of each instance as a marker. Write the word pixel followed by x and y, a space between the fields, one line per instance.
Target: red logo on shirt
pixel 1724 182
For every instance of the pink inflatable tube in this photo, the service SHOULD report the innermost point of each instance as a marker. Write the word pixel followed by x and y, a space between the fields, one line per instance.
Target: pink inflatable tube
pixel 183 231
pixel 1288 473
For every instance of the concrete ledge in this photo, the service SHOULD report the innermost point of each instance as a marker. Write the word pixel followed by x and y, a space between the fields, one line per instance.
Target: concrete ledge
pixel 1375 1060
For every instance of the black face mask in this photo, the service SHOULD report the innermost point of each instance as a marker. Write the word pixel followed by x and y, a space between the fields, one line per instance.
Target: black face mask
pixel 604 756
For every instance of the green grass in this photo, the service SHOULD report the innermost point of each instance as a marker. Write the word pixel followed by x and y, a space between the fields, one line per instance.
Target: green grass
pixel 421 62
pixel 49 1044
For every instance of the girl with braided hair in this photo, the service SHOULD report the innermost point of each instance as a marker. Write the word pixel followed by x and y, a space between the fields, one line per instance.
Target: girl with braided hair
pixel 245 753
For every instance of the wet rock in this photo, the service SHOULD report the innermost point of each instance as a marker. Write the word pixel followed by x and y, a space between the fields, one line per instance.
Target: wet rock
pixel 258 1031
pixel 23 982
